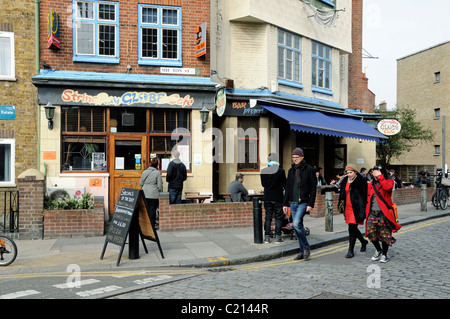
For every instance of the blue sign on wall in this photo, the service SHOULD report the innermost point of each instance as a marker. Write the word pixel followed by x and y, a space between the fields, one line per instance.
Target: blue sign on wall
pixel 7 112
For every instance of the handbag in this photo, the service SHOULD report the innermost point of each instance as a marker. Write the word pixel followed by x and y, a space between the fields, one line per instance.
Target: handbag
pixel 392 209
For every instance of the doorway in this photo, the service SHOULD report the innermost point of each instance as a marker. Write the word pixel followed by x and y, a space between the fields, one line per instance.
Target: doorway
pixel 128 158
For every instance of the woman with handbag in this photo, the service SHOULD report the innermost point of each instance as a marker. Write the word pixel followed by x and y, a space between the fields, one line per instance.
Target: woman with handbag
pixel 353 194
pixel 380 222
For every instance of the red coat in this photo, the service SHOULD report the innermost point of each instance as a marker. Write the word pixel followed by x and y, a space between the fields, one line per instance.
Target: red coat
pixel 384 188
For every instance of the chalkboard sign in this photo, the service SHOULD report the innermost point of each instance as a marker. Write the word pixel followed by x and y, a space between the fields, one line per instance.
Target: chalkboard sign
pixel 131 219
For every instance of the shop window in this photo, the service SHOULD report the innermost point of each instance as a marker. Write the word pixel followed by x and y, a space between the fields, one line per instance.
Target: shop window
pixel 159 35
pixel 128 120
pixel 289 58
pixel 7 63
pixel 248 143
pixel 170 128
pixel 83 119
pixel 84 153
pixel 321 68
pixel 96 31
pixel 7 158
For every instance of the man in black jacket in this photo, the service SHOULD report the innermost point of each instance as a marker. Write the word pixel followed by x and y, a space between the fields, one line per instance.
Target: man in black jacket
pixel 176 175
pixel 300 196
pixel 273 179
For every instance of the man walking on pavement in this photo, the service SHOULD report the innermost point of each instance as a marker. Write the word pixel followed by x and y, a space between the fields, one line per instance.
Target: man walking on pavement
pixel 176 175
pixel 300 196
pixel 273 179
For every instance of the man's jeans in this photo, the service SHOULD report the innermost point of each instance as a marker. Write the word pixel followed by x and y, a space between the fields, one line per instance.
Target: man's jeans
pixel 298 210
pixel 175 195
pixel 273 209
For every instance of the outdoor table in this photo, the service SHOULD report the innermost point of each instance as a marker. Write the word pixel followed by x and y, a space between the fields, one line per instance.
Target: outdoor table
pixel 198 198
pixel 257 217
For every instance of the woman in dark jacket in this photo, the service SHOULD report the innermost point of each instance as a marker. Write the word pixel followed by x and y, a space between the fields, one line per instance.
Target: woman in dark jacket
pixel 353 193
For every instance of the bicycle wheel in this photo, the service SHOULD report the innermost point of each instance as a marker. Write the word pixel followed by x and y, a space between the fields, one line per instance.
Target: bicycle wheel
pixel 435 199
pixel 8 250
pixel 443 200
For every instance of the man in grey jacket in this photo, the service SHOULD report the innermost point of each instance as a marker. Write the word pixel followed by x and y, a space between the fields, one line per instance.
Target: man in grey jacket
pixel 237 191
pixel 151 184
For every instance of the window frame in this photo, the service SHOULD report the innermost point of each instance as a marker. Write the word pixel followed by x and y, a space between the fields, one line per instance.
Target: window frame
pixel 96 57
pixel 12 164
pixel 285 49
pixel 241 167
pixel 12 68
pixel 315 66
pixel 160 27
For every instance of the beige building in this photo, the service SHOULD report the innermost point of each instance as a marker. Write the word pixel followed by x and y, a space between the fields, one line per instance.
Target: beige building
pixel 279 64
pixel 423 85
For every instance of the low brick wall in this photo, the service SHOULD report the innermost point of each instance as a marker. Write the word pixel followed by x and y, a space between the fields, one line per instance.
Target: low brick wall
pixel 228 215
pixel 74 222
pixel 204 216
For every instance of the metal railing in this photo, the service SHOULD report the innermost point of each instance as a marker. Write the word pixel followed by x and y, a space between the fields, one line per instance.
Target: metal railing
pixel 9 215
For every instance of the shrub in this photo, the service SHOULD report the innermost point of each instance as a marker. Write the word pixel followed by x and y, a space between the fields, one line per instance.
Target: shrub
pixel 80 201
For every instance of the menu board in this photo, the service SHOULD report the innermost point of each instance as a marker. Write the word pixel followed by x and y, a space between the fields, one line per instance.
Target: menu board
pixel 121 222
pixel 131 215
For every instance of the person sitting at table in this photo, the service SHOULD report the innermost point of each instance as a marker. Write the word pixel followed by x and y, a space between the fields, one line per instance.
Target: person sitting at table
pixel 238 191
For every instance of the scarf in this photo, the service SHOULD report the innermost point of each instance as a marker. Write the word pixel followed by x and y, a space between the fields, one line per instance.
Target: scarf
pixel 298 169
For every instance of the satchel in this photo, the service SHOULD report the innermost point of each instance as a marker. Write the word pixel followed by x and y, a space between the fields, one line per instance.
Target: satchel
pixel 392 209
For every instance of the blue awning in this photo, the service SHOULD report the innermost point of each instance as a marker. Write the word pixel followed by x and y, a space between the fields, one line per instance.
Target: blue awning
pixel 328 124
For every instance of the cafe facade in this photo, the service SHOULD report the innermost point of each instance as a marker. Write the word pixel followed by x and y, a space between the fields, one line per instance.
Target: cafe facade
pixel 106 128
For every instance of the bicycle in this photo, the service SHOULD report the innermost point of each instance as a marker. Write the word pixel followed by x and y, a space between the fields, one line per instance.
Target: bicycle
pixel 441 194
pixel 8 250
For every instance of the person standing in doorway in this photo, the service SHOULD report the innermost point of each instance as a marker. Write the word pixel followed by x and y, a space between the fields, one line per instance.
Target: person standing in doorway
pixel 273 179
pixel 151 183
pixel 353 194
pixel 300 195
pixel 176 175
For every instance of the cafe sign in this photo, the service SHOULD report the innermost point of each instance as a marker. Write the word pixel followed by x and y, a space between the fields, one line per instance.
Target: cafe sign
pixel 389 127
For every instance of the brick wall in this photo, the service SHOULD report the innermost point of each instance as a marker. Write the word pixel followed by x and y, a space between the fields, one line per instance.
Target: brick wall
pixel 194 13
pixel 18 17
pixel 74 222
pixel 31 201
pixel 228 215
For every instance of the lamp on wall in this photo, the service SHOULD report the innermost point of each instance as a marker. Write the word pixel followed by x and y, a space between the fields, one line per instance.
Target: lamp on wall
pixel 49 114
pixel 204 115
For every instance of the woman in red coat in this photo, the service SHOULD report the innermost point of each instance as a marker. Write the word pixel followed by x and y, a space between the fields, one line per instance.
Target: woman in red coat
pixel 380 222
pixel 353 194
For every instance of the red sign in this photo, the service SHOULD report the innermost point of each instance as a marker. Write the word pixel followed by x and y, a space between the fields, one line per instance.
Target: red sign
pixel 53 40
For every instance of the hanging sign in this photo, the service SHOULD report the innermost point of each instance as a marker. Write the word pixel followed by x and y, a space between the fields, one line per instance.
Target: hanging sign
pixel 221 102
pixel 389 127
pixel 53 40
pixel 200 44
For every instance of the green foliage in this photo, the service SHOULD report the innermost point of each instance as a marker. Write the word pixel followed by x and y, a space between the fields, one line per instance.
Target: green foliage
pixel 84 201
pixel 411 133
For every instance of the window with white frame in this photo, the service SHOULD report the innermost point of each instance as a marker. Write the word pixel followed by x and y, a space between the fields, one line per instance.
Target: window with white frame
pixel 7 63
pixel 96 31
pixel 321 67
pixel 289 58
pixel 7 159
pixel 159 35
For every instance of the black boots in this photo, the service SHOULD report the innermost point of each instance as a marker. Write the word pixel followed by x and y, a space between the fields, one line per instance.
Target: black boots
pixel 351 244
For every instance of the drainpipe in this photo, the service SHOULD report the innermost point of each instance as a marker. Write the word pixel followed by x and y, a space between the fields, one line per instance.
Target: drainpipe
pixel 37 68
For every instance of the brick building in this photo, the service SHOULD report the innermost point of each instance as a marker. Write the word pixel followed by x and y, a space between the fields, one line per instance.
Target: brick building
pixel 422 85
pixel 18 109
pixel 130 80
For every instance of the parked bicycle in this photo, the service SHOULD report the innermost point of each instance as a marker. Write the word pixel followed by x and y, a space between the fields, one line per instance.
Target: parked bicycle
pixel 441 194
pixel 8 250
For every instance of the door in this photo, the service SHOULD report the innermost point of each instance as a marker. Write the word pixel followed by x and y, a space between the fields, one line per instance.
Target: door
pixel 128 158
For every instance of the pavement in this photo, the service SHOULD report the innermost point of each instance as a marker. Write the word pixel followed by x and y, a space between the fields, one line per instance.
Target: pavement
pixel 195 248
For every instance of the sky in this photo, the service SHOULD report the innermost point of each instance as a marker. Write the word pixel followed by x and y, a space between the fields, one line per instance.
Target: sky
pixel 393 29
